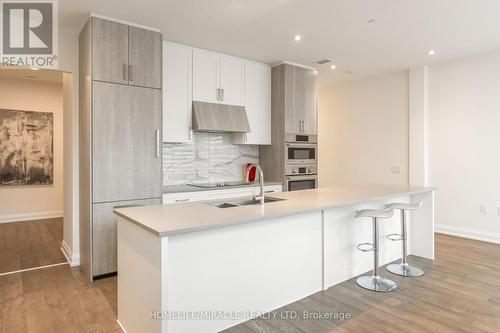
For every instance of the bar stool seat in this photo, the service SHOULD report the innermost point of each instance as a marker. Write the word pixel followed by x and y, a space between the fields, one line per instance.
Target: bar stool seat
pixel 375 282
pixel 403 268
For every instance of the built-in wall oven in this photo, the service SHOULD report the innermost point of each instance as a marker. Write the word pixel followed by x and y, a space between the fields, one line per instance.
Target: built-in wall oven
pixel 301 177
pixel 301 149
pixel 301 167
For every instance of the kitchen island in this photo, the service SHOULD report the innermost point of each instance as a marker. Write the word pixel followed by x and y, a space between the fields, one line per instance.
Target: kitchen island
pixel 197 267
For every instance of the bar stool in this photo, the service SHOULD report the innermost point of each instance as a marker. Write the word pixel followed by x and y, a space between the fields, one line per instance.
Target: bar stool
pixel 374 282
pixel 403 268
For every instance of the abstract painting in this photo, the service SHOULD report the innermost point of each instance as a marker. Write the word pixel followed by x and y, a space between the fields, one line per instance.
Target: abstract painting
pixel 26 148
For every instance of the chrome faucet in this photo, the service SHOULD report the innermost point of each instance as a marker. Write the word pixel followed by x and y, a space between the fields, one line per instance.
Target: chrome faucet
pixel 261 197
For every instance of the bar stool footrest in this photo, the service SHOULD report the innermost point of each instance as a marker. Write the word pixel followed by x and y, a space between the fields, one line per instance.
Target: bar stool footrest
pixel 395 237
pixel 365 247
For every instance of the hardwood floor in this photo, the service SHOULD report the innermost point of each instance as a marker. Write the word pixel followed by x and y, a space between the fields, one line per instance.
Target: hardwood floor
pixel 460 292
pixel 57 299
pixel 30 244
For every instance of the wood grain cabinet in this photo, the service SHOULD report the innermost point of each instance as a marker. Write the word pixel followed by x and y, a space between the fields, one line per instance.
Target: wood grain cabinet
pixel 120 132
pixel 104 234
pixel 125 54
pixel 301 100
pixel 126 143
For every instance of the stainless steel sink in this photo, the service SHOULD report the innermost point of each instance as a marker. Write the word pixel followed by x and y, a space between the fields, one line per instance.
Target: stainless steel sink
pixel 255 202
pixel 245 202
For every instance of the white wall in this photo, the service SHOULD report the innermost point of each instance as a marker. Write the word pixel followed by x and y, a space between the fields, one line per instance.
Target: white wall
pixel 464 138
pixel 68 61
pixel 22 203
pixel 363 131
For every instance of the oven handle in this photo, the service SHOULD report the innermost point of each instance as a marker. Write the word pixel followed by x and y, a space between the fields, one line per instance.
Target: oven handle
pixel 301 145
pixel 294 178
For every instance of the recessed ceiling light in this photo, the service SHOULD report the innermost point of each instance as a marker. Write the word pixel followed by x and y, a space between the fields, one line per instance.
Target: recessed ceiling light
pixel 373 20
pixel 348 72
pixel 297 38
pixel 333 66
pixel 315 72
pixel 431 52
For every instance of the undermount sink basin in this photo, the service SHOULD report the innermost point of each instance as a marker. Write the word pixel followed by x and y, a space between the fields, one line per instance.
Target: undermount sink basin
pixel 246 202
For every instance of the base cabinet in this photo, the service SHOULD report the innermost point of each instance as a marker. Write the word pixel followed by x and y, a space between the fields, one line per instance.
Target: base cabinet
pixel 104 234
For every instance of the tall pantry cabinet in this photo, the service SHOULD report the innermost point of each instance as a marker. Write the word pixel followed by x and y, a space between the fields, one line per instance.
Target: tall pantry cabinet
pixel 120 132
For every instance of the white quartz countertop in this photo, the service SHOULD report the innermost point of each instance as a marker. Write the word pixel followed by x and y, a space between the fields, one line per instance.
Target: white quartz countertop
pixel 165 220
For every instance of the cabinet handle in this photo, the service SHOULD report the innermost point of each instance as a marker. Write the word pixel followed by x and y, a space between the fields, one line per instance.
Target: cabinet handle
pixel 222 99
pixel 218 94
pixel 190 133
pixel 158 144
pixel 130 73
pixel 182 200
pixel 124 72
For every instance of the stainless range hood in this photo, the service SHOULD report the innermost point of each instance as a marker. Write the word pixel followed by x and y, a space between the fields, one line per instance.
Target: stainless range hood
pixel 213 117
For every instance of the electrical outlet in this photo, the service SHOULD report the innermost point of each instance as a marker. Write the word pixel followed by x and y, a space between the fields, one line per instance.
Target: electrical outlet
pixel 483 209
pixel 395 170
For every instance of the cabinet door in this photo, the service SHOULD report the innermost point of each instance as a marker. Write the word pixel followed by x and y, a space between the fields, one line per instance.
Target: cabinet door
pixel 295 102
pixel 228 194
pixel 175 198
pixel 177 92
pixel 205 76
pixel 126 143
pixel 258 103
pixel 109 51
pixel 145 58
pixel 311 103
pixel 232 80
pixel 104 234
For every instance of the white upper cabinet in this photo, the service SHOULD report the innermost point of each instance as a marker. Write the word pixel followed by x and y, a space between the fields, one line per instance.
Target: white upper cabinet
pixel 206 77
pixel 177 92
pixel 232 81
pixel 257 105
pixel 218 78
pixel 191 74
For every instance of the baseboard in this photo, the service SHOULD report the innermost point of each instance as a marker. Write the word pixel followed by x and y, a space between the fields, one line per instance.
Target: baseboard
pixel 484 236
pixel 73 258
pixel 30 216
pixel 121 326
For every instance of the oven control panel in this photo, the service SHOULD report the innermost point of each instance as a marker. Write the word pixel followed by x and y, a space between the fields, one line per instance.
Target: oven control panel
pixel 297 170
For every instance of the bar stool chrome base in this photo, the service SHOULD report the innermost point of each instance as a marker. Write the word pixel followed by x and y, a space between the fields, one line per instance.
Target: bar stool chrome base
pixel 405 270
pixel 376 283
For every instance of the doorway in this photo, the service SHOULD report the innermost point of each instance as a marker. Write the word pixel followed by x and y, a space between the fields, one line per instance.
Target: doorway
pixel 32 173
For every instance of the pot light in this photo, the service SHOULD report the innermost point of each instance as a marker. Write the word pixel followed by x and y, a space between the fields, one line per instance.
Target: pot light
pixel 297 38
pixel 333 66
pixel 373 20
pixel 431 52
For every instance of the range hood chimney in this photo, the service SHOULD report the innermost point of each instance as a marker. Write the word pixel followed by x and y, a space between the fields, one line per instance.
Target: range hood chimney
pixel 213 117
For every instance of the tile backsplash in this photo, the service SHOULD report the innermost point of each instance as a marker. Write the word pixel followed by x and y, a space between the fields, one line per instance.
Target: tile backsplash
pixel 211 157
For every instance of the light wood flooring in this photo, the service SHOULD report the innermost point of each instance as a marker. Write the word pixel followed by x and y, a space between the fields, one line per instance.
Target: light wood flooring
pixel 460 292
pixel 30 244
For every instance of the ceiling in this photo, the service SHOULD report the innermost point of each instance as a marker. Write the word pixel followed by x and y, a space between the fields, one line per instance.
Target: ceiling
pixel 263 30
